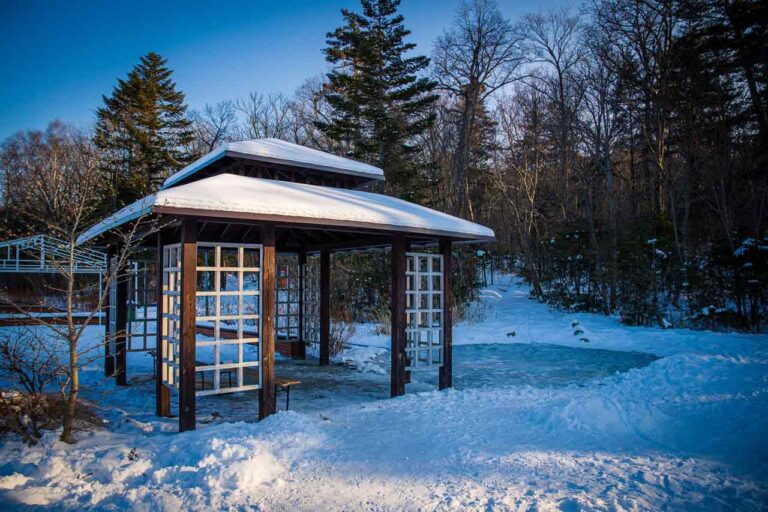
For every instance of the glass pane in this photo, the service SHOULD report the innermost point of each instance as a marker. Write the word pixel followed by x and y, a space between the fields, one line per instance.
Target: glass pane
pixel 251 327
pixel 250 304
pixel 250 352
pixel 229 280
pixel 206 306
pixel 206 281
pixel 423 264
pixel 436 264
pixel 229 257
pixel 251 281
pixel 230 305
pixel 251 258
pixel 228 354
pixel 206 256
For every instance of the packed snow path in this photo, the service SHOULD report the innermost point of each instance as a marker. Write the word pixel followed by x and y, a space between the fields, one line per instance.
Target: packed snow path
pixel 686 431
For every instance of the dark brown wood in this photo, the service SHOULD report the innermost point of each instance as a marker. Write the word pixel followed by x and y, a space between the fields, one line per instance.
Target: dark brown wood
pixel 270 168
pixel 301 346
pixel 109 359
pixel 445 379
pixel 187 401
pixel 267 391
pixel 121 326
pixel 397 304
pixel 298 221
pixel 162 393
pixel 325 308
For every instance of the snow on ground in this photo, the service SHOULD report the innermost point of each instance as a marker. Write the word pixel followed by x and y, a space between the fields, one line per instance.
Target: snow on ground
pixel 535 422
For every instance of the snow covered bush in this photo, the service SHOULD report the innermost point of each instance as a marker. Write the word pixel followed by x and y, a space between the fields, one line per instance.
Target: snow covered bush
pixel 342 330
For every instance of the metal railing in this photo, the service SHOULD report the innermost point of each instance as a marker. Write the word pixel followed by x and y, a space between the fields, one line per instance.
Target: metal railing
pixel 46 254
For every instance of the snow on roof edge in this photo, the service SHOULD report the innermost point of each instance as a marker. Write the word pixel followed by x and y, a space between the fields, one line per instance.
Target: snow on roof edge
pixel 284 152
pixel 217 196
pixel 128 213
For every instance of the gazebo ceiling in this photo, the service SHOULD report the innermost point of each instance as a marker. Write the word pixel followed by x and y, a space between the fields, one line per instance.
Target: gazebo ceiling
pixel 227 197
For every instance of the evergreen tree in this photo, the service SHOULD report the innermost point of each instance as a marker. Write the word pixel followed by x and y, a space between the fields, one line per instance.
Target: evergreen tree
pixel 143 129
pixel 379 102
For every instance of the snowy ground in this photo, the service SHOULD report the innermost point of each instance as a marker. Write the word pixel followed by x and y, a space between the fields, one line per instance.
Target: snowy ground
pixel 631 418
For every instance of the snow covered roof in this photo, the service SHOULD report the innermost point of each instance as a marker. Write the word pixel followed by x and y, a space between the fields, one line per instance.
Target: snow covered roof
pixel 241 197
pixel 279 152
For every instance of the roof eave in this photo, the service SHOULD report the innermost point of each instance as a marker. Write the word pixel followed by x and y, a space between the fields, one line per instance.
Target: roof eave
pixel 331 223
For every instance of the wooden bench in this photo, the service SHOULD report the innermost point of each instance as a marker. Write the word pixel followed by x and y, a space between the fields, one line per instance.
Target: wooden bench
pixel 286 385
pixel 223 371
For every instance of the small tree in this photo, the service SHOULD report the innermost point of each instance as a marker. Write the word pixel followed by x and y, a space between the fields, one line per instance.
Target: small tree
pixel 62 190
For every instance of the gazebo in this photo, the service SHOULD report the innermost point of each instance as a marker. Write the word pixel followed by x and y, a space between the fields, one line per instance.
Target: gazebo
pixel 237 235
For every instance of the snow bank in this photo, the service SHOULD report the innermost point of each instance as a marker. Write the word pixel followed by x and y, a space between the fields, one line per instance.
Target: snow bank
pixel 686 432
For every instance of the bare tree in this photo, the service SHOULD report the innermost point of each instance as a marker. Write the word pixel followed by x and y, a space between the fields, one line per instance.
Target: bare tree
pixel 213 126
pixel 62 190
pixel 267 116
pixel 554 39
pixel 478 55
pixel 310 107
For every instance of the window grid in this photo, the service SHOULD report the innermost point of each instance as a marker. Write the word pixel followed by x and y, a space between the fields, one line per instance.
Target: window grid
pixel 311 291
pixel 170 322
pixel 228 300
pixel 141 328
pixel 112 307
pixel 424 311
pixel 287 293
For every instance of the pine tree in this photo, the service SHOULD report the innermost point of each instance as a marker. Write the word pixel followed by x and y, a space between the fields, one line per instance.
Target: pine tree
pixel 379 102
pixel 143 129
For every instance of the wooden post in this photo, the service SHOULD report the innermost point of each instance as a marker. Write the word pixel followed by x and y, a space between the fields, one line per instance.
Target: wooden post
pixel 325 308
pixel 187 402
pixel 397 345
pixel 109 359
pixel 121 325
pixel 162 393
pixel 445 379
pixel 301 347
pixel 267 391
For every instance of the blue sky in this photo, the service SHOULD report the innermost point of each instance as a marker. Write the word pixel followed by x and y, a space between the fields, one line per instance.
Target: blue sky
pixel 58 58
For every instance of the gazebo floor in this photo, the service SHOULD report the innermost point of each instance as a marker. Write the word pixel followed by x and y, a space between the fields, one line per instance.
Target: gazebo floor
pixel 322 389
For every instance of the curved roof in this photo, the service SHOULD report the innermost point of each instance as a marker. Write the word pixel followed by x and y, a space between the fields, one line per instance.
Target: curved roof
pixel 279 152
pixel 241 197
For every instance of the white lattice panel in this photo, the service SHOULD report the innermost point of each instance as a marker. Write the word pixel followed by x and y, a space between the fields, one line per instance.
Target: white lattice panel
pixel 112 308
pixel 142 316
pixel 287 290
pixel 424 311
pixel 170 323
pixel 311 291
pixel 228 305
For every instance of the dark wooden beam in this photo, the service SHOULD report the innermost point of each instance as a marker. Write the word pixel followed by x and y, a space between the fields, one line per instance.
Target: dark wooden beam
pixel 267 391
pixel 283 221
pixel 121 326
pixel 325 308
pixel 162 393
pixel 397 344
pixel 187 402
pixel 109 358
pixel 445 379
